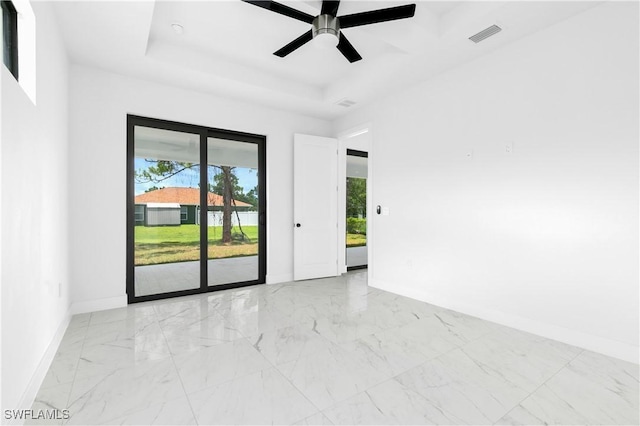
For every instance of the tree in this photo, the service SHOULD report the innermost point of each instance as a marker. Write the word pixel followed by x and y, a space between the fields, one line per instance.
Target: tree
pixel 225 185
pixel 356 197
pixel 251 197
pixel 224 177
pixel 237 193
pixel 153 188
pixel 162 171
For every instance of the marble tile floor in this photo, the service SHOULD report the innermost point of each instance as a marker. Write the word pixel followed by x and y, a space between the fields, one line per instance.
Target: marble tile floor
pixel 328 351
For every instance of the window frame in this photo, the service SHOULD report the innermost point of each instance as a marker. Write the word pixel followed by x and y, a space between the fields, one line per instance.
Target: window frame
pixel 139 211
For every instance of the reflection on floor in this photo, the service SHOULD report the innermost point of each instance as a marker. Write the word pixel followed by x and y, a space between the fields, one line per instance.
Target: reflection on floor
pixel 167 277
pixel 329 351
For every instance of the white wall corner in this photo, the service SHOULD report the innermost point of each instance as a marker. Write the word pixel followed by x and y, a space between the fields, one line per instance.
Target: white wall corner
pixel 98 304
pixel 608 347
pixel 29 395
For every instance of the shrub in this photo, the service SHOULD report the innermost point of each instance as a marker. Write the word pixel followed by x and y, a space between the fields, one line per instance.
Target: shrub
pixel 356 226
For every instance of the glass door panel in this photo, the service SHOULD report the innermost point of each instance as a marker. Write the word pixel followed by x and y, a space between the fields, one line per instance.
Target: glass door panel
pixel 167 201
pixel 233 211
pixel 356 209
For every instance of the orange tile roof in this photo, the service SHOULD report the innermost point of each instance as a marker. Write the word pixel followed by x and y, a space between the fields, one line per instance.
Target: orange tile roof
pixel 183 196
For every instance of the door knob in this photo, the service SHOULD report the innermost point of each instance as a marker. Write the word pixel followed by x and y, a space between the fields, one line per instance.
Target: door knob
pixel 298 225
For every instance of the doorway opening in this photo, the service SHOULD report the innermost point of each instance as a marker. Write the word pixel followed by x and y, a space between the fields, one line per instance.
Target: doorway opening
pixel 193 228
pixel 356 209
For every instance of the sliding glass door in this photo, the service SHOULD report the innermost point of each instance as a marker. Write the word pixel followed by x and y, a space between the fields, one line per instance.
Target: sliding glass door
pixel 166 176
pixel 233 217
pixel 192 229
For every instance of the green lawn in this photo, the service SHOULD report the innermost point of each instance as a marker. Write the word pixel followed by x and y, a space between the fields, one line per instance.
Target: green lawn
pixel 166 244
pixel 186 234
pixel 356 240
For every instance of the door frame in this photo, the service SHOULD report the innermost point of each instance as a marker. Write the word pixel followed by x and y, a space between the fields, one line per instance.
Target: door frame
pixel 205 133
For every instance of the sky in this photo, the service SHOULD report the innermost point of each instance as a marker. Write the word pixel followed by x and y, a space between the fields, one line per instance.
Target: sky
pixel 247 178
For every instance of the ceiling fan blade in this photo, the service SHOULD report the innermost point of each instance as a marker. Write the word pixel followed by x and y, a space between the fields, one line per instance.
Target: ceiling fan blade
pixel 282 10
pixel 330 7
pixel 375 16
pixel 348 50
pixel 304 38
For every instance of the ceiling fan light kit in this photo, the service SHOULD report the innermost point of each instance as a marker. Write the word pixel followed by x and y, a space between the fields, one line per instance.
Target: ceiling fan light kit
pixel 327 22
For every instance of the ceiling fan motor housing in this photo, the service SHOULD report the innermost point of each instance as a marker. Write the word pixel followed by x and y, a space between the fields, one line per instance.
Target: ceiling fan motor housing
pixel 326 24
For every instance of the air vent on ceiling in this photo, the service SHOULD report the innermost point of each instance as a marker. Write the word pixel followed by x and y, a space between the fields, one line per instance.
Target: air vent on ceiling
pixel 346 103
pixel 486 33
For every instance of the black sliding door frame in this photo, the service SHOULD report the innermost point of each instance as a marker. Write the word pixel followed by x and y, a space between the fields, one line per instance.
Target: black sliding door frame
pixel 205 133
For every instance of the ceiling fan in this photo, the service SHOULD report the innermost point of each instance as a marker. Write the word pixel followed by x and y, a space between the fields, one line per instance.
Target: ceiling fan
pixel 328 23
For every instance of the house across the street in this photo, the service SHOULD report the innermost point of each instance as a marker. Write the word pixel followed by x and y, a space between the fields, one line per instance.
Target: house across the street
pixel 178 206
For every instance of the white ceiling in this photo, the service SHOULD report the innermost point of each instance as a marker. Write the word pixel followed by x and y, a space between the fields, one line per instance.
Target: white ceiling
pixel 227 46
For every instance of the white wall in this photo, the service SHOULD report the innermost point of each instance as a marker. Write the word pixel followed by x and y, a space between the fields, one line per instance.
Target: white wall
pixel 34 197
pixel 544 238
pixel 99 103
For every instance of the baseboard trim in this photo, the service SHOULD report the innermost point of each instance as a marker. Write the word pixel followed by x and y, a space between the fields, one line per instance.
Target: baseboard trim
pixel 99 304
pixel 29 395
pixel 277 279
pixel 612 348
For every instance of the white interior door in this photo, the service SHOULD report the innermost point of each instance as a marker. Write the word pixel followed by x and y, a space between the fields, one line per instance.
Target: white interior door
pixel 315 207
